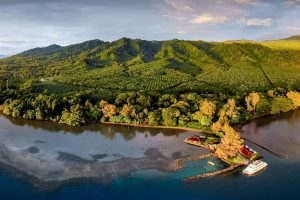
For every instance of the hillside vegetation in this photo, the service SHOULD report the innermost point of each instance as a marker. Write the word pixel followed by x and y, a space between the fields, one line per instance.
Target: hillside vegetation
pixel 175 66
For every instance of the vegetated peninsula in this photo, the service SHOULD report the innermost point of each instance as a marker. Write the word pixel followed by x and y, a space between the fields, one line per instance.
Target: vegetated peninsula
pixel 187 84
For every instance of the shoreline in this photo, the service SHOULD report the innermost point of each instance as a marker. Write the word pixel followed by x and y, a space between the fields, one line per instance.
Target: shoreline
pixel 158 127
pixel 237 126
pixel 118 124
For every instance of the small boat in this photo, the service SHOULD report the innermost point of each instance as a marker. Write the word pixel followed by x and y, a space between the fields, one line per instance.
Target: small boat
pixel 211 163
pixel 255 167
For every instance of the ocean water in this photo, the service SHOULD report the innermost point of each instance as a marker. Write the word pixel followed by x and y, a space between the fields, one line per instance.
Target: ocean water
pixel 281 180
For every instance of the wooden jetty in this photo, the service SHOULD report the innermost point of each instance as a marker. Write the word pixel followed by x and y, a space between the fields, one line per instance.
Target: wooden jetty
pixel 223 171
pixel 180 162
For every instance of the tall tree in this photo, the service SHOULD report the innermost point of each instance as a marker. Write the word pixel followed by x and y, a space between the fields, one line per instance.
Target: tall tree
pixel 295 97
pixel 230 144
pixel 208 108
pixel 251 101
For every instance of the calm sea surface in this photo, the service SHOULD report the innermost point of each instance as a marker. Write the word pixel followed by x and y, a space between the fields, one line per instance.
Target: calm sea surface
pixel 50 142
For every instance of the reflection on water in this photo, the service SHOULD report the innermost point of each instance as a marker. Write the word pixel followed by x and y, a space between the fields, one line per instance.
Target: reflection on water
pixel 289 117
pixel 89 150
pixel 109 131
pixel 51 138
pixel 279 133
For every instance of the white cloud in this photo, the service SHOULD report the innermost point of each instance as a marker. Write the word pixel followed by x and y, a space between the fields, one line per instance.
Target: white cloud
pixel 179 5
pixel 241 2
pixel 180 32
pixel 209 19
pixel 175 16
pixel 255 21
pixel 245 2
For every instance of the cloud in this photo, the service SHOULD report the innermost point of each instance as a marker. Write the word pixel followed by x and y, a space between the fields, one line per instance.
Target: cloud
pixel 240 2
pixel 180 32
pixel 179 5
pixel 245 2
pixel 290 3
pixel 209 19
pixel 175 16
pixel 293 28
pixel 255 21
pixel 12 42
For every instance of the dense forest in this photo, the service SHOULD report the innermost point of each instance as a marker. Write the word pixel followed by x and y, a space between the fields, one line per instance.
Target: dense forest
pixel 191 110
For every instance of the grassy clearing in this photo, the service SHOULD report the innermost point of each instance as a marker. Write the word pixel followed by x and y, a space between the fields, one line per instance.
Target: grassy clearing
pixel 282 44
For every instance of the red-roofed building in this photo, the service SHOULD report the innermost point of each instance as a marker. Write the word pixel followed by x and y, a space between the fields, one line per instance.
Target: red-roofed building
pixel 247 151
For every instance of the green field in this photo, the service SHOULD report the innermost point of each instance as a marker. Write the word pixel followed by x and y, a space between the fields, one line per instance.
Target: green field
pixel 283 44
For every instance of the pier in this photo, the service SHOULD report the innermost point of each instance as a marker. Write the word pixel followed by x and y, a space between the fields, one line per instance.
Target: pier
pixel 180 162
pixel 223 171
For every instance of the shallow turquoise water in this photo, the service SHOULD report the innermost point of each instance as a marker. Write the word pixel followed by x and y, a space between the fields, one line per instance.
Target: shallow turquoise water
pixel 192 168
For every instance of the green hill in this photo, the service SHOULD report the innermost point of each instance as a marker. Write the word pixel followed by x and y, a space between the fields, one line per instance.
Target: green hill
pixel 290 43
pixel 175 66
pixel 294 37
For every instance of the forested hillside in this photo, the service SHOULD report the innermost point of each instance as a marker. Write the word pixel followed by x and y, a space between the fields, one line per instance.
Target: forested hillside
pixel 175 66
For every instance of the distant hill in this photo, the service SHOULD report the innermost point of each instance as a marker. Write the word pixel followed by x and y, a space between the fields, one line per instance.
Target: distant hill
pixel 42 51
pixel 3 56
pixel 294 37
pixel 174 66
pixel 291 43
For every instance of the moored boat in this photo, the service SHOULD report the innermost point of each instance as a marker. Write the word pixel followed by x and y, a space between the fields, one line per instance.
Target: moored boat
pixel 211 163
pixel 255 167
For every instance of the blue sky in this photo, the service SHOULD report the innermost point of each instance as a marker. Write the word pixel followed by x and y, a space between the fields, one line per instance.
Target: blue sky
pixel 25 24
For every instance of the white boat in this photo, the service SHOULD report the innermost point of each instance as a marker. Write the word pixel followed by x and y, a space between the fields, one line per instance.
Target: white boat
pixel 255 167
pixel 211 163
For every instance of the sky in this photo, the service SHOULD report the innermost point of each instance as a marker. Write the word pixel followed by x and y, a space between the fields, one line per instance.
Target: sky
pixel 25 24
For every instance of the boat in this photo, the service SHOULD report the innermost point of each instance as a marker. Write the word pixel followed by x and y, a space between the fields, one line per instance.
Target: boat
pixel 255 167
pixel 211 163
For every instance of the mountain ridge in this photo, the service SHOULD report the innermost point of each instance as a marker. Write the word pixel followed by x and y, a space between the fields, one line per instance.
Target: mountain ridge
pixel 54 47
pixel 164 66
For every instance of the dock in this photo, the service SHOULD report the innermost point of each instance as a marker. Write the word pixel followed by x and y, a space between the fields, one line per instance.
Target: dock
pixel 180 162
pixel 196 144
pixel 223 171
